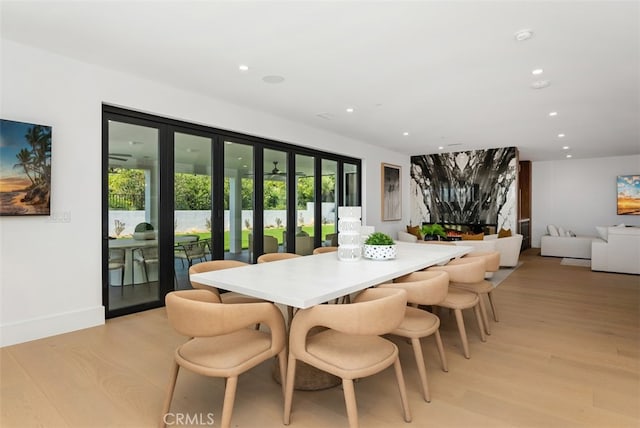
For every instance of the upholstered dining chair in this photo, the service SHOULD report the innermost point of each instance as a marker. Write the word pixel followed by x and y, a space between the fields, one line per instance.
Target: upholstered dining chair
pixel 491 266
pixel 220 344
pixel 350 347
pixel 321 250
pixel 274 257
pixel 423 288
pixel 226 297
pixel 491 261
pixel 459 300
pixel 480 285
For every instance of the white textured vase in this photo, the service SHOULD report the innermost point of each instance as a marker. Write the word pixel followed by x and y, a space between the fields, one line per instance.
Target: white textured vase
pixel 349 244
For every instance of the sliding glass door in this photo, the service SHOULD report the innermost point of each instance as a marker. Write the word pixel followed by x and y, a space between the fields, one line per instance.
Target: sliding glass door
pixel 132 174
pixel 192 200
pixel 176 193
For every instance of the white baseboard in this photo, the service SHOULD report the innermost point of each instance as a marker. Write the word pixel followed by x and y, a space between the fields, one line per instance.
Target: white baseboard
pixel 38 328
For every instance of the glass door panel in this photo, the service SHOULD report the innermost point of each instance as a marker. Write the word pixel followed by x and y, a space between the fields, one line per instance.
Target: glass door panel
pixel 238 200
pixel 133 195
pixel 329 192
pixel 275 201
pixel 351 185
pixel 305 204
pixel 192 204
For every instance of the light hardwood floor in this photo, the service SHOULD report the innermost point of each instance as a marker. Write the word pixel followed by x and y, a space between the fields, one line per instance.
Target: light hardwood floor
pixel 565 353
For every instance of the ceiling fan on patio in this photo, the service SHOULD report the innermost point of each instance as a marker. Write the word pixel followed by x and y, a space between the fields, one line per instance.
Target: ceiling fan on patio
pixel 276 174
pixel 122 157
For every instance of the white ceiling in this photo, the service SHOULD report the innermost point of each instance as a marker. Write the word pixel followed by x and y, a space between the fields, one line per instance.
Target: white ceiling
pixel 450 73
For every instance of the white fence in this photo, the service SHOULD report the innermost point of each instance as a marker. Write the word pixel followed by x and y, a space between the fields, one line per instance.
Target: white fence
pixel 197 221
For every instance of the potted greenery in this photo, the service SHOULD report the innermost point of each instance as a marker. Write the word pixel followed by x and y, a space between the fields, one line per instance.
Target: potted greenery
pixel 379 246
pixel 144 231
pixel 433 232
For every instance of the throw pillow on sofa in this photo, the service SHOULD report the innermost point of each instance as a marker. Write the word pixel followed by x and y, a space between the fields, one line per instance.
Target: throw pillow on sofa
pixel 504 233
pixel 552 230
pixel 603 232
pixel 415 231
pixel 472 237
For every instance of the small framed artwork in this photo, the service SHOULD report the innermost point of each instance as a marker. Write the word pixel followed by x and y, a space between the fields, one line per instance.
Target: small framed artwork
pixel 391 192
pixel 25 168
pixel 628 195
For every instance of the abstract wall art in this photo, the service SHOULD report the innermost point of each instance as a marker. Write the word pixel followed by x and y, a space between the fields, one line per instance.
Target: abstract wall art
pixel 470 187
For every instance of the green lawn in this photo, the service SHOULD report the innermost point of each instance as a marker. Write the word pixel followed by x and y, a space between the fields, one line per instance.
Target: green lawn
pixel 276 232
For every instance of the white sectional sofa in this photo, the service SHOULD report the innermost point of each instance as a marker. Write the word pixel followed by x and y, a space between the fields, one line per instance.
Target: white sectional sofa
pixel 575 247
pixel 619 253
pixel 509 247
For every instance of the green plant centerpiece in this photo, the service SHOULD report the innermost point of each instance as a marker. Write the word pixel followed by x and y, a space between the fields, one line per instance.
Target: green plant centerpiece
pixel 433 232
pixel 379 246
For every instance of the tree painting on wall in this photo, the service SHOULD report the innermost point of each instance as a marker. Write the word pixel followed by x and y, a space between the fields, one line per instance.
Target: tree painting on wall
pixel 25 168
pixel 471 187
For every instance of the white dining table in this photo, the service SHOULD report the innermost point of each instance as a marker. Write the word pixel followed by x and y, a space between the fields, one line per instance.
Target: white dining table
pixel 303 282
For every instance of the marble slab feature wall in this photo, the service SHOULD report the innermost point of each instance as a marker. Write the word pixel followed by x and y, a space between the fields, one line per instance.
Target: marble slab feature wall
pixel 470 187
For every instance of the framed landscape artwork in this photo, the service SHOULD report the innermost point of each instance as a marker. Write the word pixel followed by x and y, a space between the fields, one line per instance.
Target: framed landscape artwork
pixel 628 194
pixel 391 196
pixel 25 168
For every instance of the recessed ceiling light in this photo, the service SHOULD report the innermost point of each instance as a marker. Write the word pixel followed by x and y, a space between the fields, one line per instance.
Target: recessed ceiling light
pixel 239 157
pixel 537 71
pixel 273 79
pixel 440 148
pixel 405 133
pixel 565 147
pixel 540 84
pixel 524 34
pixel 560 135
pixel 243 67
pixel 553 113
pixel 569 156
pixel 350 110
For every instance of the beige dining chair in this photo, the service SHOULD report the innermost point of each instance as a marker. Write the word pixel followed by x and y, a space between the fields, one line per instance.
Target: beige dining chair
pixel 274 257
pixel 350 347
pixel 491 266
pixel 213 265
pixel 322 250
pixel 423 288
pixel 459 300
pixel 482 287
pixel 220 344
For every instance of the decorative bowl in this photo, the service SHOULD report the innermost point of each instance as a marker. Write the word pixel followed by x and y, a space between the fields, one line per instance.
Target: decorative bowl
pixel 380 252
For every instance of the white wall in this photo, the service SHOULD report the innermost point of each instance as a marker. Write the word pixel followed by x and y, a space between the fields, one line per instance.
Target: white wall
pixel 578 194
pixel 50 272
